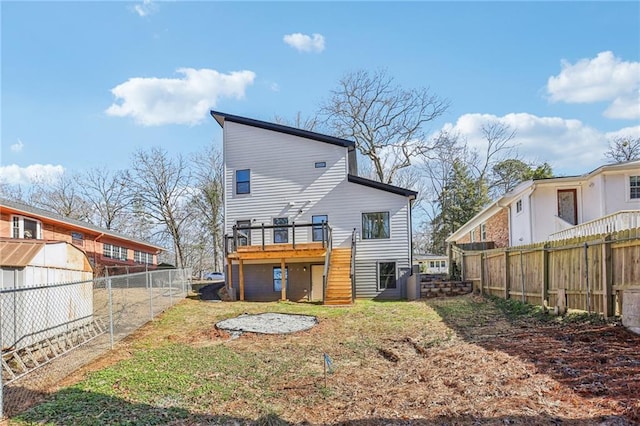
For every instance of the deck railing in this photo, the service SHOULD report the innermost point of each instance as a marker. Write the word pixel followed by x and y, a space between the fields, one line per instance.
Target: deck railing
pixel 619 221
pixel 243 236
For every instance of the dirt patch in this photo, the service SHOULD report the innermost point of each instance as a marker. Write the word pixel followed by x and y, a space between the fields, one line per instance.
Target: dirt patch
pixel 268 323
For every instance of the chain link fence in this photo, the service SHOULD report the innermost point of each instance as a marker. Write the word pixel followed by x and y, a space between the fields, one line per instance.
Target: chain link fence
pixel 49 331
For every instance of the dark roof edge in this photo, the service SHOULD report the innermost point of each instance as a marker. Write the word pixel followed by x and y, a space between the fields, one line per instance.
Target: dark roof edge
pixel 37 211
pixel 382 186
pixel 220 117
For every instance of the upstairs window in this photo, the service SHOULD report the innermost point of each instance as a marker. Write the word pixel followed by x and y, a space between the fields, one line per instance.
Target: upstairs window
pixel 281 235
pixel 77 238
pixel 142 257
pixel 634 187
pixel 243 181
pixel 483 232
pixel 320 164
pixel 375 225
pixel 318 229
pixel 28 229
pixel 244 235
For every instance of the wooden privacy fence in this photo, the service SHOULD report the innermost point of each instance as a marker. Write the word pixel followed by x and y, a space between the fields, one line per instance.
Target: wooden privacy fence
pixel 591 271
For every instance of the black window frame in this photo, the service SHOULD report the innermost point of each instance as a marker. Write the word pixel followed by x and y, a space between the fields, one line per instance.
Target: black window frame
pixel 320 164
pixel 519 206
pixel 388 274
pixel 317 229
pixel 367 234
pixel 240 190
pixel 286 278
pixel 242 240
pixel 278 233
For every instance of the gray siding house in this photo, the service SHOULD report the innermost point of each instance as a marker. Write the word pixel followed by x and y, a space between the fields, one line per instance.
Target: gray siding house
pixel 294 203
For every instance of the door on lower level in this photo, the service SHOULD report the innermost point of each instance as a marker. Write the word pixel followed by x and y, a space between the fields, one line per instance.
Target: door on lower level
pixel 316 282
pixel 568 205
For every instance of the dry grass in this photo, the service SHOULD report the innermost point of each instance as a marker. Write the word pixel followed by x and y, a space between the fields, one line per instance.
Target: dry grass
pixel 446 361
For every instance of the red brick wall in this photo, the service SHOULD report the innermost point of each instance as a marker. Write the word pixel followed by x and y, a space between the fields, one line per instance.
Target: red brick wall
pixel 497 230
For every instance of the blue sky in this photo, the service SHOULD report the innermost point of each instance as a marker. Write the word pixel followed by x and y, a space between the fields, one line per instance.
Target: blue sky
pixel 84 84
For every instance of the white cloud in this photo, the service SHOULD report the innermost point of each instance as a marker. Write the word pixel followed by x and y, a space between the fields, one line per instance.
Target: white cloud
pixel 187 100
pixel 627 132
pixel 603 78
pixel 569 146
pixel 305 43
pixel 275 87
pixel 145 8
pixel 16 175
pixel 17 147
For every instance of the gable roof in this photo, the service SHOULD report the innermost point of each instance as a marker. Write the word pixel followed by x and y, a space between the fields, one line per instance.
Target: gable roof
pixel 221 117
pixel 54 217
pixel 382 186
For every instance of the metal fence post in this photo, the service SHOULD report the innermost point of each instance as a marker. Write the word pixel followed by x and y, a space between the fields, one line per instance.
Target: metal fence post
pixel 1 367
pixel 147 277
pixel 170 288
pixel 110 307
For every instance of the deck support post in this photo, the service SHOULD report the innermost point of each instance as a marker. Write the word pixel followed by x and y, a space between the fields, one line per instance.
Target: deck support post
pixel 230 274
pixel 241 278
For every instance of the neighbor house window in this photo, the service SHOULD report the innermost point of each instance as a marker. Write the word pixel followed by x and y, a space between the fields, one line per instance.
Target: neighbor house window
pixel 277 278
pixel 320 164
pixel 432 264
pixel 472 236
pixel 386 275
pixel 318 229
pixel 518 206
pixel 280 235
pixel 375 225
pixel 77 238
pixel 443 263
pixel 634 187
pixel 142 257
pixel 26 228
pixel 243 181
pixel 244 235
pixel 114 252
pixel 483 232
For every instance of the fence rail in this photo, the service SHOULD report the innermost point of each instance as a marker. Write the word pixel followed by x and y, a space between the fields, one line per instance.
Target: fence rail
pixel 49 330
pixel 587 273
pixel 619 221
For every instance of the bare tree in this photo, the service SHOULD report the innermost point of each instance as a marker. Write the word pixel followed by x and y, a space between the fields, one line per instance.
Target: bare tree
pixel 623 149
pixel 160 185
pixel 208 198
pixel 386 121
pixel 299 122
pixel 498 136
pixel 107 193
pixel 62 196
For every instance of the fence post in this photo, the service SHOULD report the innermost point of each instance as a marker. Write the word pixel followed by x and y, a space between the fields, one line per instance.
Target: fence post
pixel 1 367
pixel 586 276
pixel 545 274
pixel 481 272
pixel 106 269
pixel 150 287
pixel 524 298
pixel 170 289
pixel 607 289
pixel 507 284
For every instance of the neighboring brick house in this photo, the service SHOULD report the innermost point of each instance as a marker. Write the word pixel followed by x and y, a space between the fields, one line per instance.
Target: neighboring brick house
pixel 493 228
pixel 102 246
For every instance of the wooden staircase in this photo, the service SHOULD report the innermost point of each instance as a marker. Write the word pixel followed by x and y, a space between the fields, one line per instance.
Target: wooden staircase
pixel 339 280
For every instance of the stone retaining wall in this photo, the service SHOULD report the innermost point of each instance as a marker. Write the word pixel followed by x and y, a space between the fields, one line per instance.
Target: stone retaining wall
pixel 444 288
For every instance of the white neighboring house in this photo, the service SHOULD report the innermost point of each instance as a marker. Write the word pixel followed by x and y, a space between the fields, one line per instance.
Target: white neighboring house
pixel 432 263
pixel 604 200
pixel 293 200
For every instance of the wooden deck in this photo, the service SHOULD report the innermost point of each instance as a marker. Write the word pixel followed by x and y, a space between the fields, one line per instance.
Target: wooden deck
pixel 279 251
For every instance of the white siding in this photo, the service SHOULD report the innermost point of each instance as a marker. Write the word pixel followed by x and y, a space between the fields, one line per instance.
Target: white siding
pixel 285 183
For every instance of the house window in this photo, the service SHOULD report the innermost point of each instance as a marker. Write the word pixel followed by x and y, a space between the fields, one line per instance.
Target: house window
pixel 77 238
pixel 243 181
pixel 634 187
pixel 318 230
pixel 386 275
pixel 375 225
pixel 443 263
pixel 244 235
pixel 432 264
pixel 28 229
pixel 472 235
pixel 142 257
pixel 320 164
pixel 483 232
pixel 518 206
pixel 115 252
pixel 277 278
pixel 281 235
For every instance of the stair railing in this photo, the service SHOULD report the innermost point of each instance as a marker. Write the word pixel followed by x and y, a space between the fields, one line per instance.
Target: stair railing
pixel 352 271
pixel 327 260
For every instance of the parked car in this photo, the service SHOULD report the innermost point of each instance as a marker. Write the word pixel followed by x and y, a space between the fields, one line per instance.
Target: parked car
pixel 213 276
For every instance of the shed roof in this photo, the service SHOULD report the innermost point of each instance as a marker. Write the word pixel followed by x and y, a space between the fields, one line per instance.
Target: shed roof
pixel 19 253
